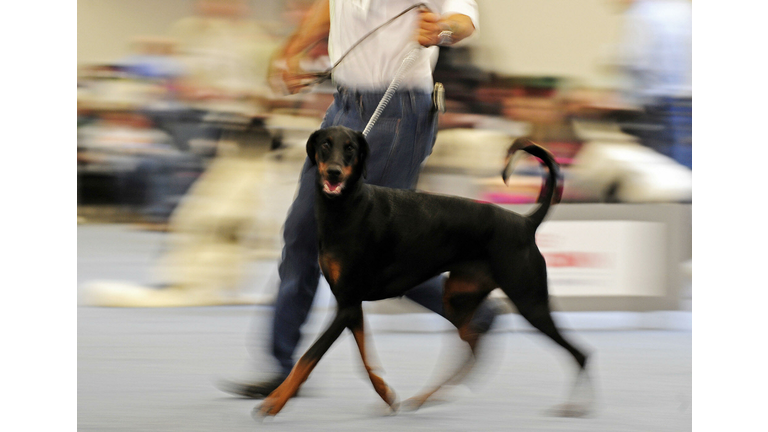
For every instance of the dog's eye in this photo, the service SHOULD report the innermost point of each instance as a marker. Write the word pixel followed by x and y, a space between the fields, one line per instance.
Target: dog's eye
pixel 349 148
pixel 325 146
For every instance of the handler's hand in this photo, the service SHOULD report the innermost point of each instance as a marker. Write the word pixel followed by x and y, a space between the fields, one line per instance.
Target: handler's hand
pixel 429 29
pixel 286 76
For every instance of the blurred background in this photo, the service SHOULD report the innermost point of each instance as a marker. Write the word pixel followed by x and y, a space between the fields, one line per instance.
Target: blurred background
pixel 187 162
pixel 178 131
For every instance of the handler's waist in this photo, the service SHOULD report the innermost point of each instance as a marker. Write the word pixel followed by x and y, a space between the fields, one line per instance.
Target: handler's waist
pixel 403 102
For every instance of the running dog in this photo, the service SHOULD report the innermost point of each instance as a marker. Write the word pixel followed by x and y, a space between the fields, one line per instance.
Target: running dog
pixel 376 243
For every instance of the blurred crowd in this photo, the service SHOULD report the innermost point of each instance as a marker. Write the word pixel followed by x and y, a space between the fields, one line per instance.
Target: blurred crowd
pixel 153 124
pixel 188 134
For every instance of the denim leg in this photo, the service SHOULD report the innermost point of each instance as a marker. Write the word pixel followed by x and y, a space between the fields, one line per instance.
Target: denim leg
pixel 401 170
pixel 430 295
pixel 484 316
pixel 299 269
pixel 299 272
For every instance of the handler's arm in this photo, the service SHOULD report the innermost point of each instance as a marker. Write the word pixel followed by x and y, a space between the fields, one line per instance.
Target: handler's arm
pixel 432 25
pixel 314 28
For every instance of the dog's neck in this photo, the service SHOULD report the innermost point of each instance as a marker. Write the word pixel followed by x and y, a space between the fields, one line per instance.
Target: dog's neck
pixel 335 214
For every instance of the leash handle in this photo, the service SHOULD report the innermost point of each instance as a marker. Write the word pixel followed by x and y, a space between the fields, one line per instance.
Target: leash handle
pixel 404 66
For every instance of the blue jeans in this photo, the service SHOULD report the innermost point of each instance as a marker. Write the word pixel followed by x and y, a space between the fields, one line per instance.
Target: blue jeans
pixel 400 141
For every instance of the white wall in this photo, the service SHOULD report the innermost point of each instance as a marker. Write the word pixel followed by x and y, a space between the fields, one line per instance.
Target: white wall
pixel 536 37
pixel 546 37
pixel 105 28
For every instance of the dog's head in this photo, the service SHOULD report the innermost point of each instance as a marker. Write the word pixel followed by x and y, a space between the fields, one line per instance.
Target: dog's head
pixel 340 154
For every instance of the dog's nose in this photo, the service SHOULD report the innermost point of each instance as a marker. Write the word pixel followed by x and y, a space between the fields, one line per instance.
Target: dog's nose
pixel 334 172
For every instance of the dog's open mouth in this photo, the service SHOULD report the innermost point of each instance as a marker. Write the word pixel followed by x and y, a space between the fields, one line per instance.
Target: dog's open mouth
pixel 332 188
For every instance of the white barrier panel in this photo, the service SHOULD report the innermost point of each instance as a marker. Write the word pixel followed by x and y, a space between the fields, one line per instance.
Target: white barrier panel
pixel 604 258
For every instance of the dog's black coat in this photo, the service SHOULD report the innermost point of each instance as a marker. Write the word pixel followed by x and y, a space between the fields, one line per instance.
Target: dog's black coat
pixel 377 243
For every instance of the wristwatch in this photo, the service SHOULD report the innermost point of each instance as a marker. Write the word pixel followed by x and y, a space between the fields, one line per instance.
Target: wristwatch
pixel 445 38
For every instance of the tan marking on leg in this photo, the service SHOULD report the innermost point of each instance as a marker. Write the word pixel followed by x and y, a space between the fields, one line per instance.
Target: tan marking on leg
pixel 381 387
pixel 277 399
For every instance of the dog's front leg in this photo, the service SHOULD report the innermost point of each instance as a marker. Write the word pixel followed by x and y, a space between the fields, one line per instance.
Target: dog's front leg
pixel 276 400
pixel 358 330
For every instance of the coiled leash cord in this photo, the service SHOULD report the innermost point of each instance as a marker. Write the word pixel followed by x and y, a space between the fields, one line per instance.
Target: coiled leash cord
pixel 404 66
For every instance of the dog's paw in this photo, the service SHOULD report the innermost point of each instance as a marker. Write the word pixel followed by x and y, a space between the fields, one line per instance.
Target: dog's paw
pixel 257 415
pixel 424 401
pixel 413 404
pixel 581 400
pixel 394 408
pixel 393 401
pixel 269 408
pixel 410 405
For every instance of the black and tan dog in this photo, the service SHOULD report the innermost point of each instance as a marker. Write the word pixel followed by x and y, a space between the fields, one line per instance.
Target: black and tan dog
pixel 376 243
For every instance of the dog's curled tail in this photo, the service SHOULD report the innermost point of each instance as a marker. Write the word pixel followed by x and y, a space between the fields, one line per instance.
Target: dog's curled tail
pixel 552 190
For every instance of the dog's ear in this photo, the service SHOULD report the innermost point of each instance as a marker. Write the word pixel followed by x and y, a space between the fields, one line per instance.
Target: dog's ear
pixel 363 150
pixel 311 146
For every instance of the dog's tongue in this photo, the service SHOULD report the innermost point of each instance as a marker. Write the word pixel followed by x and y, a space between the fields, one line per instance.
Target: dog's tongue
pixel 332 187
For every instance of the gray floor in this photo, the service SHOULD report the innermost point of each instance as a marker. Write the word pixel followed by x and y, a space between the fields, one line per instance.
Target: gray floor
pixel 156 369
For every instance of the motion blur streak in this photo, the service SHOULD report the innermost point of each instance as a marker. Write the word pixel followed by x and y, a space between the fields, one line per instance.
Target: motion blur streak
pixel 187 163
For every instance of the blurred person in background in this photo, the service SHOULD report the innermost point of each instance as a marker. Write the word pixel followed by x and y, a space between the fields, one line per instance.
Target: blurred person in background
pixel 166 179
pixel 226 56
pixel 218 109
pixel 220 59
pixel 399 142
pixel 158 60
pixel 154 58
pixel 655 61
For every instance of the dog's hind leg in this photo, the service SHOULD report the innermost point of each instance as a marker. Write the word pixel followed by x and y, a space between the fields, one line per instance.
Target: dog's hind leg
pixel 581 397
pixel 461 299
pixel 528 290
pixel 539 315
pixel 381 387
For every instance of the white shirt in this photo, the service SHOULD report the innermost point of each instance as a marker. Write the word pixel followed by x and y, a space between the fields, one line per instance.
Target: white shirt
pixel 373 64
